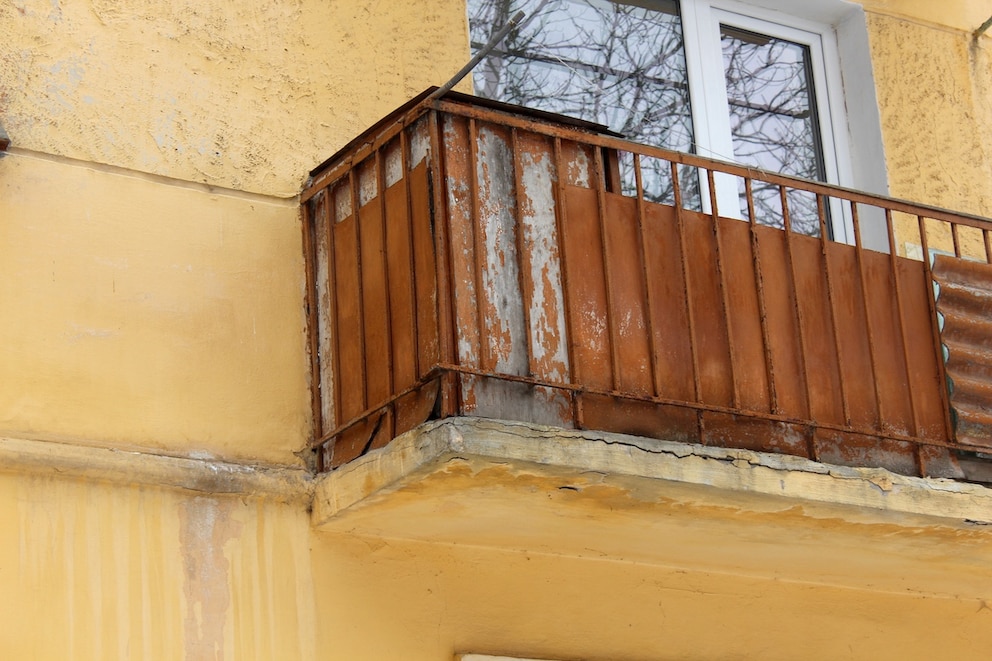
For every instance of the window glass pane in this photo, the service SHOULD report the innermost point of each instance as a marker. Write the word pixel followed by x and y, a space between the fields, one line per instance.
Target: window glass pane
pixel 613 63
pixel 773 120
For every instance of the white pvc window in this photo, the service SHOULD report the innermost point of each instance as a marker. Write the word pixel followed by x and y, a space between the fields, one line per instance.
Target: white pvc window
pixel 692 76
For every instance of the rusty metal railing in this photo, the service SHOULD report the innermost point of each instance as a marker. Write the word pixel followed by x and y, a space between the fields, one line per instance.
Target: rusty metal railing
pixel 465 258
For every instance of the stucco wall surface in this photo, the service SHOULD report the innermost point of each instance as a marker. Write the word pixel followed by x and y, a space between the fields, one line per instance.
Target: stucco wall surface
pixel 249 95
pixel 934 86
pixel 100 571
pixel 138 313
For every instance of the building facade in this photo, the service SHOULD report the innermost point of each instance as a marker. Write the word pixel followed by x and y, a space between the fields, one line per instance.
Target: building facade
pixel 159 489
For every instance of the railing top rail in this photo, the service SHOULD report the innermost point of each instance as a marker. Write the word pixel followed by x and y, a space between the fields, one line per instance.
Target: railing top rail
pixel 556 126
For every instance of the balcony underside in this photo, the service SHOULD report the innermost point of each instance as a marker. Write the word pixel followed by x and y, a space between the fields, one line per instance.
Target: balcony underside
pixel 525 487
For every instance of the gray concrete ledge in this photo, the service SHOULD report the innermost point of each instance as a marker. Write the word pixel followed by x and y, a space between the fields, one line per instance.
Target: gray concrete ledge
pixel 114 466
pixel 423 450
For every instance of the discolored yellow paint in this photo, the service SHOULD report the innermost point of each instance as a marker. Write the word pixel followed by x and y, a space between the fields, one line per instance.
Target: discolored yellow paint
pixel 107 571
pixel 427 601
pixel 139 313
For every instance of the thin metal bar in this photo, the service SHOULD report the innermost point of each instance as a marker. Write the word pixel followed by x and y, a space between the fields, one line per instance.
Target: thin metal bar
pixel 697 387
pixel 988 246
pixel 608 281
pixel 711 185
pixel 310 259
pixel 796 308
pixel 484 51
pixel 956 239
pixel 762 310
pixel 356 201
pixel 479 246
pixel 380 175
pixel 906 355
pixel 524 266
pixel 561 222
pixel 447 332
pixel 724 294
pixel 699 407
pixel 821 211
pixel 866 309
pixel 646 289
pixel 935 330
pixel 412 281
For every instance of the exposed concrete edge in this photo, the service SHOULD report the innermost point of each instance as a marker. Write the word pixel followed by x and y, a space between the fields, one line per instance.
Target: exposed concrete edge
pixel 289 199
pixel 115 466
pixel 428 447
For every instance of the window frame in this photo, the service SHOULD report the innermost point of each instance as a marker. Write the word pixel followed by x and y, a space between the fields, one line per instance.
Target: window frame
pixel 701 23
pixel 846 105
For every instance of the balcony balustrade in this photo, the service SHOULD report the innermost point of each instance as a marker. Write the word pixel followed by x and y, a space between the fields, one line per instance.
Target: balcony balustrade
pixel 470 258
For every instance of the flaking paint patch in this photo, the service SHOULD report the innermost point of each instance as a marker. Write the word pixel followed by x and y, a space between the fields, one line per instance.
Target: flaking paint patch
pixel 503 309
pixel 547 319
pixel 205 527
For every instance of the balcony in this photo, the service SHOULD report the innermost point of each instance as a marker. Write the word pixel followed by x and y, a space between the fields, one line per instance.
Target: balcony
pixel 467 258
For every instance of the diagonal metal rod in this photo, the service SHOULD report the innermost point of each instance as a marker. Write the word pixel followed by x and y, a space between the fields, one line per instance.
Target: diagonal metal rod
pixel 983 27
pixel 491 44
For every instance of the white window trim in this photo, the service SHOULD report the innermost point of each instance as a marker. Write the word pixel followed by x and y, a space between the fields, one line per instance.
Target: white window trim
pixel 843 82
pixel 701 21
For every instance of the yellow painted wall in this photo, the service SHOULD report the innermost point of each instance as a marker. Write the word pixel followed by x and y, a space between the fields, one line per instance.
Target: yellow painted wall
pixel 99 571
pixel 934 85
pixel 151 270
pixel 425 602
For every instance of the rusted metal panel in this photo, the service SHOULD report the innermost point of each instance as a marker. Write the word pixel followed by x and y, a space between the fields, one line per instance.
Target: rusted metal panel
pixel 895 407
pixel 586 285
pixel 709 330
pixel 758 434
pixel 628 313
pixel 853 449
pixel 782 330
pixel 744 311
pixel 924 374
pixel 965 305
pixel 669 316
pixel 641 418
pixel 852 336
pixel 822 360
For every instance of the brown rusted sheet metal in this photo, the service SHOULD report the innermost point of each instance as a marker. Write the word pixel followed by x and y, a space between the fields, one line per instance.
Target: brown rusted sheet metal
pixel 852 331
pixel 627 287
pixel 782 329
pixel 586 285
pixel 666 290
pixel 559 300
pixel 924 374
pixel 853 449
pixel 812 297
pixel 727 430
pixel 744 313
pixel 709 332
pixel 965 305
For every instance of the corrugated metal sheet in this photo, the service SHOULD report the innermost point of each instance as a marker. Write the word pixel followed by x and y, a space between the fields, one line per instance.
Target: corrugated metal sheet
pixel 964 303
